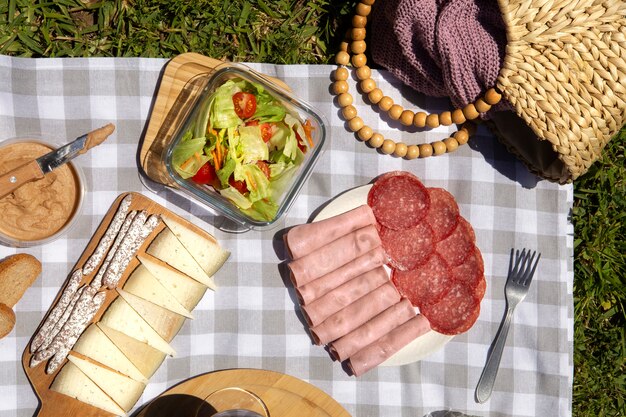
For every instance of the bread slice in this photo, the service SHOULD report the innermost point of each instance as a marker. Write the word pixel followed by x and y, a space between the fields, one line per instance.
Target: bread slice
pixel 7 320
pixel 17 273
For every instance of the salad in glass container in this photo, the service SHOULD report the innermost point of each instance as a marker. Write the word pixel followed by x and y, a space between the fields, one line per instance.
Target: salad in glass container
pixel 246 144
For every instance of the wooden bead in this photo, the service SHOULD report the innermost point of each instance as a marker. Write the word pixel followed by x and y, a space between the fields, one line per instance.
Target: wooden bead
pixel 470 112
pixel 395 111
pixel 368 2
pixel 432 120
pixel 365 133
pixel 342 58
pixel 492 97
pixel 461 136
pixel 363 9
pixel 355 124
pixel 349 112
pixel 358 47
pixel 368 85
pixel 406 118
pixel 344 99
pixel 375 95
pixel 363 73
pixel 376 140
pixel 385 103
pixel 341 74
pixel 482 106
pixel 412 152
pixel 357 34
pixel 343 46
pixel 445 118
pixel 340 87
pixel 426 150
pixel 451 144
pixel 388 146
pixel 420 119
pixel 401 150
pixel 359 21
pixel 458 117
pixel 359 60
pixel 439 148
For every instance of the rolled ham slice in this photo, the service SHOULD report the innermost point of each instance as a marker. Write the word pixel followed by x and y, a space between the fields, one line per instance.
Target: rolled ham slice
pixel 377 352
pixel 342 296
pixel 356 314
pixel 322 285
pixel 334 255
pixel 394 316
pixel 304 239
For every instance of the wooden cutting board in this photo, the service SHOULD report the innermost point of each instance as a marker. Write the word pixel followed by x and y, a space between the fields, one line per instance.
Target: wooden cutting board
pixel 284 395
pixel 176 87
pixel 52 403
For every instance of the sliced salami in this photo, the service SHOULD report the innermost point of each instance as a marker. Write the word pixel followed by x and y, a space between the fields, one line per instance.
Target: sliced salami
pixel 407 248
pixel 455 313
pixel 443 214
pixel 472 270
pixel 459 245
pixel 399 201
pixel 481 287
pixel 426 284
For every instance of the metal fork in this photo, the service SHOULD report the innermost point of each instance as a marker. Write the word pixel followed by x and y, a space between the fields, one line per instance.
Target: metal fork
pixel 517 283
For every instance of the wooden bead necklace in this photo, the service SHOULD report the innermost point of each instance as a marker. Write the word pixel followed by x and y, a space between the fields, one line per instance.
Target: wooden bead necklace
pixel 395 111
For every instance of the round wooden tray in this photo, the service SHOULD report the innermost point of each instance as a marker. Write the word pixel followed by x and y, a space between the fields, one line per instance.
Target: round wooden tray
pixel 284 395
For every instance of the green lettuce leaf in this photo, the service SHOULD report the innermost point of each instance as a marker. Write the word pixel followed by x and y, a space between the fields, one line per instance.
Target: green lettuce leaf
pixel 186 149
pixel 236 197
pixel 252 146
pixel 222 111
pixel 262 210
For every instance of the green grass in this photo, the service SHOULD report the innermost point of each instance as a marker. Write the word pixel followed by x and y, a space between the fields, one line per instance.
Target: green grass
pixel 289 32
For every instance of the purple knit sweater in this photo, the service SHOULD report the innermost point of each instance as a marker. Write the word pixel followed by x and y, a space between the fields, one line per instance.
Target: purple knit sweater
pixel 451 48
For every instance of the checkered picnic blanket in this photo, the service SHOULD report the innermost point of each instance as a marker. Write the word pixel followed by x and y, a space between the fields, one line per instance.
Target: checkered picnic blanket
pixel 251 320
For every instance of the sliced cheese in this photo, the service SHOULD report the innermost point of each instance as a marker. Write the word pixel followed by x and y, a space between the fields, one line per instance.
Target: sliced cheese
pixel 72 382
pixel 168 248
pixel 121 316
pixel 143 284
pixel 207 252
pixel 146 358
pixel 94 344
pixel 122 389
pixel 186 290
pixel 164 322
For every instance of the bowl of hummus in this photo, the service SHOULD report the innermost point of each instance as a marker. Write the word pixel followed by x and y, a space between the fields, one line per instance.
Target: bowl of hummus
pixel 43 210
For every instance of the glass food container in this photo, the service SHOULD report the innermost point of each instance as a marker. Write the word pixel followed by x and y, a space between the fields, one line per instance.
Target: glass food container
pixel 192 106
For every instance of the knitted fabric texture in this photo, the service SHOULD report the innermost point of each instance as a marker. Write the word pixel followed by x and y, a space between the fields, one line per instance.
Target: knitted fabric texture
pixel 451 48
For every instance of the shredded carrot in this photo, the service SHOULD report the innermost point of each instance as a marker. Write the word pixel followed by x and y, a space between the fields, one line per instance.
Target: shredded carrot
pixel 252 183
pixel 307 132
pixel 188 162
pixel 216 161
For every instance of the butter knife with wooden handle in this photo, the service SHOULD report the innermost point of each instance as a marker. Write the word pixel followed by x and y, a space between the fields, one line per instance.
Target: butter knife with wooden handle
pixel 36 169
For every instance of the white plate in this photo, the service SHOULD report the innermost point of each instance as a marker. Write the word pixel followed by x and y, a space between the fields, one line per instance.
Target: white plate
pixel 423 345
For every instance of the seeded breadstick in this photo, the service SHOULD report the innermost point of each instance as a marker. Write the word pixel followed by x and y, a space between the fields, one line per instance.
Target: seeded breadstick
pixel 97 281
pixel 57 311
pixel 109 236
pixel 61 322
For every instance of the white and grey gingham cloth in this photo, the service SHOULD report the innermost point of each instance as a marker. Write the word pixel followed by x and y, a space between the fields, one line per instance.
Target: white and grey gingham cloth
pixel 251 320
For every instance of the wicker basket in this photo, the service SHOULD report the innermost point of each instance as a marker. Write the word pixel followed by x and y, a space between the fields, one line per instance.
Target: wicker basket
pixel 564 73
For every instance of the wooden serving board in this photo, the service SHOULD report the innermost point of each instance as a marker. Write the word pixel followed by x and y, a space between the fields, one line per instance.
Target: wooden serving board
pixel 284 395
pixel 53 403
pixel 174 92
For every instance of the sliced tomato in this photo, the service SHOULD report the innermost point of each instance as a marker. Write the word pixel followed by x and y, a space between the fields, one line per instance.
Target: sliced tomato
pixel 301 144
pixel 238 185
pixel 205 175
pixel 264 167
pixel 245 104
pixel 266 129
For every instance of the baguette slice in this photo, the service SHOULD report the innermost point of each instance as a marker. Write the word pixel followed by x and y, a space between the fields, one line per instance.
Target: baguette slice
pixel 186 290
pixel 72 382
pixel 94 344
pixel 17 273
pixel 122 389
pixel 207 253
pixel 122 317
pixel 145 285
pixel 146 358
pixel 168 248
pixel 164 322
pixel 7 320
